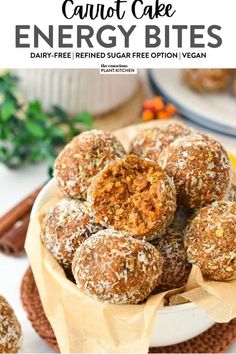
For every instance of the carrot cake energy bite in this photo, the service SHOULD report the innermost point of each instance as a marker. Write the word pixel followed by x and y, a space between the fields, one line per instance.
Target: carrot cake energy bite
pixel 231 196
pixel 176 269
pixel 207 80
pixel 210 240
pixel 10 330
pixel 117 268
pixel 65 227
pixel 200 168
pixel 82 159
pixel 133 195
pixel 149 143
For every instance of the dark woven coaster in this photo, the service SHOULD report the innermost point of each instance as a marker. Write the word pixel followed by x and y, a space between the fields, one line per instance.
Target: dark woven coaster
pixel 214 340
pixel 34 309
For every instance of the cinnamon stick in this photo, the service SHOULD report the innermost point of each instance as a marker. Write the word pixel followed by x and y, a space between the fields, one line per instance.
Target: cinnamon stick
pixel 12 242
pixel 18 212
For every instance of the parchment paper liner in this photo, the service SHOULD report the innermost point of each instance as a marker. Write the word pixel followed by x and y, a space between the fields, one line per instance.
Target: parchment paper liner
pixel 84 325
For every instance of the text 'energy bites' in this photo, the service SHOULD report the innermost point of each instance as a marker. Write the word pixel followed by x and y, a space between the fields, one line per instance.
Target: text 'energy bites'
pixel 133 195
pixel 114 267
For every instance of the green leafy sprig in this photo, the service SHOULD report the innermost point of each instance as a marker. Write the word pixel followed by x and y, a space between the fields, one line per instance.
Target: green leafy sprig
pixel 27 133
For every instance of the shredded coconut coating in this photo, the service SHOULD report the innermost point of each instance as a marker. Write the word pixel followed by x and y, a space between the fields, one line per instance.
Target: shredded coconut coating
pixel 210 240
pixel 180 221
pixel 149 143
pixel 176 269
pixel 133 195
pixel 207 80
pixel 86 155
pixel 231 196
pixel 200 168
pixel 116 268
pixel 65 227
pixel 10 330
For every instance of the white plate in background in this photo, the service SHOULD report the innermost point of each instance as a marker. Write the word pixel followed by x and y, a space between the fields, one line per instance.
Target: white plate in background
pixel 216 111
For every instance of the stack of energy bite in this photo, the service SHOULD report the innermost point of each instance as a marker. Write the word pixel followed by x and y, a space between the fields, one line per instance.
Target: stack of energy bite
pixel 130 224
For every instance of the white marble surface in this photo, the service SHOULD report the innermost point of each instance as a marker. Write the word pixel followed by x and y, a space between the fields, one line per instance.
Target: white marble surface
pixel 15 185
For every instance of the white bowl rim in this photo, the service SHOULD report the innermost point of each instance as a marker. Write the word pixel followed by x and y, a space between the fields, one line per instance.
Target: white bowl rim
pixel 173 308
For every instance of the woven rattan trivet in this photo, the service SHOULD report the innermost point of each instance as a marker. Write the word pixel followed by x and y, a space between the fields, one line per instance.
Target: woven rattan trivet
pixel 34 309
pixel 215 340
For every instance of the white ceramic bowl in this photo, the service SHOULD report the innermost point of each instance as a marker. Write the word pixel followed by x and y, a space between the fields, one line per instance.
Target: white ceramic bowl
pixel 76 90
pixel 174 324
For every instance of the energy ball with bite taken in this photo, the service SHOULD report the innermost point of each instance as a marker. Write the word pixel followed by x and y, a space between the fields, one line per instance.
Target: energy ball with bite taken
pixel 210 240
pixel 176 269
pixel 207 80
pixel 10 329
pixel 134 195
pixel 65 227
pixel 149 143
pixel 200 168
pixel 117 268
pixel 86 155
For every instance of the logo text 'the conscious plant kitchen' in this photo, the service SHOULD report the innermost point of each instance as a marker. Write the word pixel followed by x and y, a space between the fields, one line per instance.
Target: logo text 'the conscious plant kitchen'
pixel 86 36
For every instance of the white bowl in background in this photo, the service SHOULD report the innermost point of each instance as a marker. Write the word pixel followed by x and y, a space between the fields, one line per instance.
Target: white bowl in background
pixel 174 324
pixel 76 90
